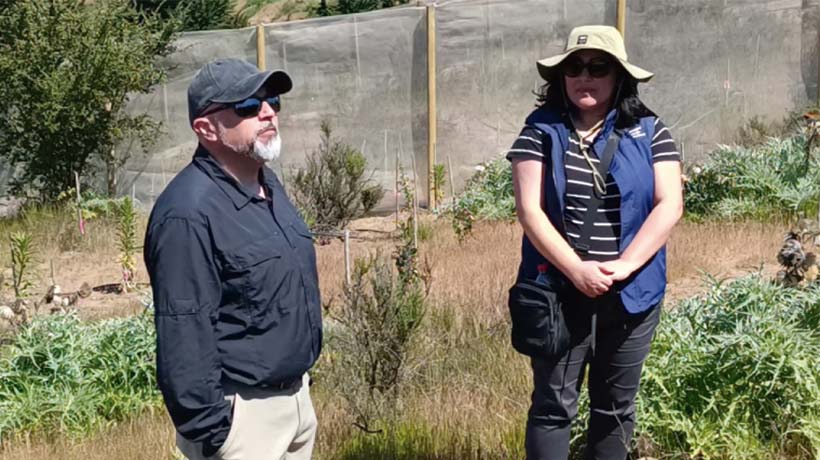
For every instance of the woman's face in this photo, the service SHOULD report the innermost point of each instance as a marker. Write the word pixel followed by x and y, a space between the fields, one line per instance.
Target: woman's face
pixel 589 79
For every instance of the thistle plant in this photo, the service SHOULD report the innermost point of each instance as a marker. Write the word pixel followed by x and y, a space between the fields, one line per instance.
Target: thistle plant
pixel 22 259
pixel 439 181
pixel 127 241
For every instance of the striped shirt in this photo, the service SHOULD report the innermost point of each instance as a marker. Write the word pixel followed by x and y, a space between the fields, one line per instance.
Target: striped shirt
pixel 606 231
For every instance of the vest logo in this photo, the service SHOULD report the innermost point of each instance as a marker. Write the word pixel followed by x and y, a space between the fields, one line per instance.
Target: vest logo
pixel 637 133
pixel 582 40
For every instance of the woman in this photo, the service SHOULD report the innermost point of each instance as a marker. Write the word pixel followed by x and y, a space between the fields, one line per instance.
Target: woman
pixel 613 271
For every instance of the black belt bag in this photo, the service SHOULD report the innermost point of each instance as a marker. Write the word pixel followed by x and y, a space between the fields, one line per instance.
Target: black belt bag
pixel 538 325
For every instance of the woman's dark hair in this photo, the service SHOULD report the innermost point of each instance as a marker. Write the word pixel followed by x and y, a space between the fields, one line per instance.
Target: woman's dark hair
pixel 630 107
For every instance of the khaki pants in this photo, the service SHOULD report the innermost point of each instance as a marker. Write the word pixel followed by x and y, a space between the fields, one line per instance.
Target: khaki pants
pixel 267 425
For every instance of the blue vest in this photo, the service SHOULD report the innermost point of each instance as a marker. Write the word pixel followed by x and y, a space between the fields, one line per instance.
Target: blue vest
pixel 632 170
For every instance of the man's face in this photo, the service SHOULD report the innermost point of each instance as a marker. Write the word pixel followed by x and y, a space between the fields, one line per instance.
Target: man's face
pixel 250 128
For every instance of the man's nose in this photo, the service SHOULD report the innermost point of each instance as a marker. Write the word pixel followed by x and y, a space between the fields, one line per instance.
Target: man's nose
pixel 266 112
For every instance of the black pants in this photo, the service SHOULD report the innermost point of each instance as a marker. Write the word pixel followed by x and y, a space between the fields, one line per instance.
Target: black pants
pixel 622 344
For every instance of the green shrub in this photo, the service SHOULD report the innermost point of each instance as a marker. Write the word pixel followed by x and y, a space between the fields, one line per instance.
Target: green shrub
pixel 195 14
pixel 772 179
pixel 353 6
pixel 488 195
pixel 61 375
pixel 734 374
pixel 331 190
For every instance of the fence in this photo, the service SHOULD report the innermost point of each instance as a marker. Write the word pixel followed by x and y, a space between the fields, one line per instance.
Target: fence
pixel 717 63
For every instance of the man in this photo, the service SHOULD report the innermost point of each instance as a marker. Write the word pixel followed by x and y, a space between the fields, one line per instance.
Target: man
pixel 233 271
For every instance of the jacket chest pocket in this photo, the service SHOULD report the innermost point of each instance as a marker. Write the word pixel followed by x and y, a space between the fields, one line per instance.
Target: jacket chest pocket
pixel 258 276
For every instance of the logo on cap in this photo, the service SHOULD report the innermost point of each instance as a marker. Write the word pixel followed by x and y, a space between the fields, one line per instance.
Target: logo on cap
pixel 582 40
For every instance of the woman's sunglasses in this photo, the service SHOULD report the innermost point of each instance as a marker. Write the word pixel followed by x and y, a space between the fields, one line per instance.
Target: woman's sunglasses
pixel 596 68
pixel 250 107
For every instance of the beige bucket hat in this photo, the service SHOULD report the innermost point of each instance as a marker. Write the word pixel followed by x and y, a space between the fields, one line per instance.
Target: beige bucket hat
pixel 604 38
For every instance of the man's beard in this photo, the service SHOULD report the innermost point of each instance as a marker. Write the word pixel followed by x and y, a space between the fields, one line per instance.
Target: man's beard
pixel 267 151
pixel 260 151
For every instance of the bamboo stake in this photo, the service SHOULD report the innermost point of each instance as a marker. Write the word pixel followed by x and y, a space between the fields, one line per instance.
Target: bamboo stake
pixel 415 206
pixel 14 280
pixel 622 17
pixel 452 184
pixel 397 189
pixel 817 50
pixel 347 256
pixel 79 204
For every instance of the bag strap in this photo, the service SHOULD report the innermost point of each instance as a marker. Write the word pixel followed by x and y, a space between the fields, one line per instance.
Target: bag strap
pixel 596 199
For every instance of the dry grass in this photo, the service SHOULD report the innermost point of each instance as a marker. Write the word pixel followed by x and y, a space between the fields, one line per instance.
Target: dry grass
pixel 149 436
pixel 724 250
pixel 466 378
pixel 473 277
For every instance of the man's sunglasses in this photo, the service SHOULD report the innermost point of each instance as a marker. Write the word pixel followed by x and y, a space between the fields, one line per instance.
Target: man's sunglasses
pixel 596 68
pixel 250 107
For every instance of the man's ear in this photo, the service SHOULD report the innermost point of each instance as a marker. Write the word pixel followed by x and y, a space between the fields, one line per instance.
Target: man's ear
pixel 205 129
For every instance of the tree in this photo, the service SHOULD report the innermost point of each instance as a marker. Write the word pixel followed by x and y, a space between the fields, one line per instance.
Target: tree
pixel 355 6
pixel 196 14
pixel 67 69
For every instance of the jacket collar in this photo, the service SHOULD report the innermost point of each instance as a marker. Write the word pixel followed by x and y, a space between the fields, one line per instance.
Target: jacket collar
pixel 239 195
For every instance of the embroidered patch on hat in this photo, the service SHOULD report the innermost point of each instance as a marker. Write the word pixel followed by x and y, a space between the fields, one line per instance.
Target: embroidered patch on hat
pixel 582 40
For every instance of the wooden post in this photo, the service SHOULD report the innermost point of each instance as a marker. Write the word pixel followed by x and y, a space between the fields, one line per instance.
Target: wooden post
pixel 622 17
pixel 260 47
pixel 431 106
pixel 347 257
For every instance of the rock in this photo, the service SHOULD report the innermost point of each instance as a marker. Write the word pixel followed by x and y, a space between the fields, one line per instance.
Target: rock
pixel 6 313
pixel 85 290
pixel 10 207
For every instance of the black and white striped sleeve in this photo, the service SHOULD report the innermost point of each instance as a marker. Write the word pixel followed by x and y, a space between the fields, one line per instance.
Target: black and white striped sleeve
pixel 528 146
pixel 663 146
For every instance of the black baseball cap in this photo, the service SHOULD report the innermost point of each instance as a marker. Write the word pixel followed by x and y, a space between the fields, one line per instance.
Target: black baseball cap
pixel 224 81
